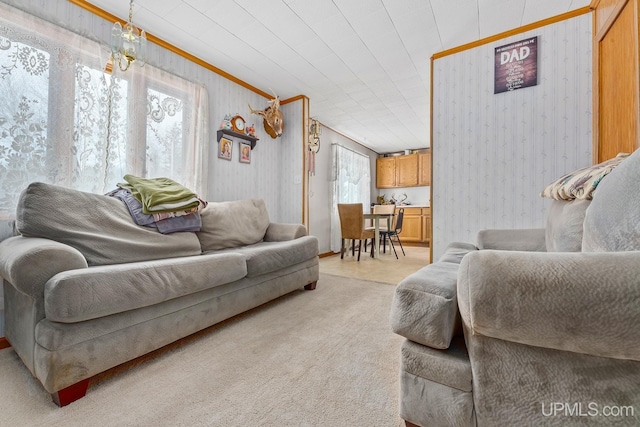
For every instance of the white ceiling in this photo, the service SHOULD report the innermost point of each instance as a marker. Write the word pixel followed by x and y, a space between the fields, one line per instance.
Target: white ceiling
pixel 364 64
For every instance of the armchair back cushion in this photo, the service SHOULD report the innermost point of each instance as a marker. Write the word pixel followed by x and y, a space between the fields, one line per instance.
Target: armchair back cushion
pixel 564 225
pixel 612 222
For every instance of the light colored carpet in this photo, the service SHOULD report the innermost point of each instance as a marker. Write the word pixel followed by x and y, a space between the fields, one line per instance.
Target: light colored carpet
pixel 312 358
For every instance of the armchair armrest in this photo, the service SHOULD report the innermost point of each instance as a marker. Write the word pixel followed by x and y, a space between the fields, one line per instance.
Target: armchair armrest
pixel 29 262
pixel 277 232
pixel 531 239
pixel 581 302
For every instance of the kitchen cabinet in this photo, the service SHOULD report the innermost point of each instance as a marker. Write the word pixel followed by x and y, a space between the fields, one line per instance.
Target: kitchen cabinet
pixel 407 171
pixel 416 225
pixel 424 168
pixel 386 172
pixel 426 225
pixel 411 170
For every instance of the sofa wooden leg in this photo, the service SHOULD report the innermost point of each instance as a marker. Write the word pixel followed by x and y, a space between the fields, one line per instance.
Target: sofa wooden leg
pixel 71 394
pixel 410 424
pixel 311 286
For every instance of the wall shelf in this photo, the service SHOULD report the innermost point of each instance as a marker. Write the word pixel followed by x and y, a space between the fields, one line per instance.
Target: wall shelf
pixel 252 140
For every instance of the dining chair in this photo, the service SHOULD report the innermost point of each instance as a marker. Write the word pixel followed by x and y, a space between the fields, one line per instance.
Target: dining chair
pixel 352 227
pixel 395 232
pixel 382 209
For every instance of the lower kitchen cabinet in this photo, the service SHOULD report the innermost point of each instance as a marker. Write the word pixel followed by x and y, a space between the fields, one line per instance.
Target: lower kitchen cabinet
pixel 416 225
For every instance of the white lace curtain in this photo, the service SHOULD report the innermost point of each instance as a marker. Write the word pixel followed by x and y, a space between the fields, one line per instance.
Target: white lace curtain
pixel 351 176
pixel 64 120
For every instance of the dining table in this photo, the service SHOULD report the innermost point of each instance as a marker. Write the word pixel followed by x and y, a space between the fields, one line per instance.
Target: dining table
pixel 376 226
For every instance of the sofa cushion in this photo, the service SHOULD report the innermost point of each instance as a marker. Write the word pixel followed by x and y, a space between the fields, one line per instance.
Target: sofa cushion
pixel 517 239
pixel 98 226
pixel 456 251
pixel 233 224
pixel 425 305
pixel 612 222
pixel 79 295
pixel 266 257
pixel 564 225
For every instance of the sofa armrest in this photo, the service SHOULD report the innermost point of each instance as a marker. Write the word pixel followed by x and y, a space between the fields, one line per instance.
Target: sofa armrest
pixel 531 239
pixel 29 262
pixel 277 232
pixel 424 308
pixel 581 302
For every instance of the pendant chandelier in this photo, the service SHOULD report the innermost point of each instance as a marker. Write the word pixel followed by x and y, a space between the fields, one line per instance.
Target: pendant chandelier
pixel 128 44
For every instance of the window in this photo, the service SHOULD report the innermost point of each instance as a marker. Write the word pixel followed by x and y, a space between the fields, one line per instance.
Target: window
pixel 351 184
pixel 65 121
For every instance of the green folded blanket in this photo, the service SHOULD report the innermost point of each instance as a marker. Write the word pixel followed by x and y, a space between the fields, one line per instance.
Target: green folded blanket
pixel 160 194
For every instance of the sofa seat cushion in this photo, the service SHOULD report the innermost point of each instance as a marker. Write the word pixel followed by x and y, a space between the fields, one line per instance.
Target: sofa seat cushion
pixel 98 226
pixel 456 251
pixel 450 367
pixel 233 224
pixel 425 306
pixel 84 294
pixel 267 257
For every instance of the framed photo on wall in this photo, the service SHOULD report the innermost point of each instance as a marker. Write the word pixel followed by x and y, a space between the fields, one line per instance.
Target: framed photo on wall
pixel 225 147
pixel 245 152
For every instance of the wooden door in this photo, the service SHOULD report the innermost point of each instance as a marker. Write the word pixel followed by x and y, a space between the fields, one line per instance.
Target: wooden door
pixel 616 78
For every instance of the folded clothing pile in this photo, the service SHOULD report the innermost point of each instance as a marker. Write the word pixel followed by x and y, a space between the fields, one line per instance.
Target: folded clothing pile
pixel 161 203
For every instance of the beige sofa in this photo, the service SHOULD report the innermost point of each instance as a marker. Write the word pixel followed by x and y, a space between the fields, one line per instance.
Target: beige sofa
pixel 86 289
pixel 530 327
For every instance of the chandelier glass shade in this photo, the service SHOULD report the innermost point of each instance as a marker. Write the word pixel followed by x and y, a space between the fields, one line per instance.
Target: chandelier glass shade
pixel 128 43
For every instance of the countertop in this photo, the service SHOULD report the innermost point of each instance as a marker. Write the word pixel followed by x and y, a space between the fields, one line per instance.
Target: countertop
pixel 414 206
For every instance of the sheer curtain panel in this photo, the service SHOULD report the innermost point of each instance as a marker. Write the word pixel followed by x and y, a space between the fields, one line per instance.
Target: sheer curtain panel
pixel 66 119
pixel 351 177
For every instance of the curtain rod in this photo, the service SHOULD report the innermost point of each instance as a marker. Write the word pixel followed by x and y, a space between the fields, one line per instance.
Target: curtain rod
pixel 350 149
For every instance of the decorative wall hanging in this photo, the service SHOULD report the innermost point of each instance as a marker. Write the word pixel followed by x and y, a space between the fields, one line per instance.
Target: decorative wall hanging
pixel 273 119
pixel 314 144
pixel 314 135
pixel 516 65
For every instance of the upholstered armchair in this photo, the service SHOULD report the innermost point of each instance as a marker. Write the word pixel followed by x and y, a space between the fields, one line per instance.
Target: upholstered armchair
pixel 530 327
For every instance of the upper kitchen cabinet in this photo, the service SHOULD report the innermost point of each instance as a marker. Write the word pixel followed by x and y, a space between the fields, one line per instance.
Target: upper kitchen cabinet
pixel 407 171
pixel 386 172
pixel 410 170
pixel 424 168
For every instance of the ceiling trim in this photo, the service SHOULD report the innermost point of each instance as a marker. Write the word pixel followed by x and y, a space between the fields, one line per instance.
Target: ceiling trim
pixel 349 138
pixel 524 28
pixel 84 4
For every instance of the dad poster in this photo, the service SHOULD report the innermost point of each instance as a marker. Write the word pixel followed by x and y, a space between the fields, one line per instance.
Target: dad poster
pixel 516 65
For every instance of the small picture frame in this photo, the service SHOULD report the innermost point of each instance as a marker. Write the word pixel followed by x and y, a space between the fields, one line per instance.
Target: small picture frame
pixel 225 148
pixel 245 152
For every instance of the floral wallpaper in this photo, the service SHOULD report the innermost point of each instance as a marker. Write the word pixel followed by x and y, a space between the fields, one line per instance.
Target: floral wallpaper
pixel 494 153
